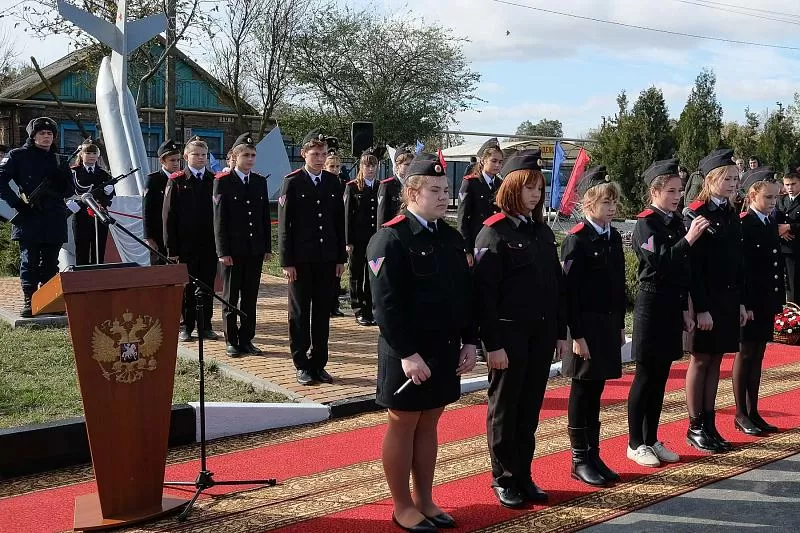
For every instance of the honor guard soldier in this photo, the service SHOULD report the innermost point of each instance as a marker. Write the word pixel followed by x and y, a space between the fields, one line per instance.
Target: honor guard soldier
pixel 390 190
pixel 716 292
pixel 88 233
pixel 169 154
pixel 312 253
pixel 421 287
pixel 476 196
pixel 764 295
pixel 788 218
pixel 188 215
pixel 242 230
pixel 360 224
pixel 594 268
pixel 40 225
pixel 521 309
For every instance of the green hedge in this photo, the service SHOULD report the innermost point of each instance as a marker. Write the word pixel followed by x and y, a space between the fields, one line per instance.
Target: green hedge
pixel 9 252
pixel 631 278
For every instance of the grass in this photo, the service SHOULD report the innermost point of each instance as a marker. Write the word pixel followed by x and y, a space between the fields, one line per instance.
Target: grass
pixel 38 381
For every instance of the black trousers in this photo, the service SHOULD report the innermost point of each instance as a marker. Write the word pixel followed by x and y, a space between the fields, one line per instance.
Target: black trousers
pixel 83 231
pixel 360 293
pixel 203 268
pixel 240 283
pixel 38 262
pixel 792 281
pixel 515 399
pixel 584 402
pixel 645 400
pixel 310 299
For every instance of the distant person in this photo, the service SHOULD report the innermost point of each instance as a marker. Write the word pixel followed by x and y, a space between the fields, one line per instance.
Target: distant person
pixel 740 166
pixel 390 190
pixel 471 167
pixel 693 187
pixel 333 164
pixel 683 174
pixel 754 162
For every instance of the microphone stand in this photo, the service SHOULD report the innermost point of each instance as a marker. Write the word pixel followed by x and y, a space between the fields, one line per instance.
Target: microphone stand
pixel 205 478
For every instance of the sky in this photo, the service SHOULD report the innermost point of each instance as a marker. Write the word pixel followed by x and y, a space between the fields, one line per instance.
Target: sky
pixel 559 67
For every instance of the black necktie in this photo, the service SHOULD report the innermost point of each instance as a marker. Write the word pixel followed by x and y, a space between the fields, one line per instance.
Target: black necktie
pixel 91 170
pixel 432 227
pixel 604 235
pixel 246 179
pixel 199 176
pixel 316 180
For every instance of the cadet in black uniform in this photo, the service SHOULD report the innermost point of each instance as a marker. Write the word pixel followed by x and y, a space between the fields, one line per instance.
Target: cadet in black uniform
pixel 242 231
pixel 788 218
pixel 188 215
pixel 521 310
pixel 476 196
pixel 421 287
pixel 390 191
pixel 661 311
pixel 153 200
pixel 88 233
pixel 312 248
pixel 360 224
pixel 41 222
pixel 764 295
pixel 716 292
pixel 333 164
pixel 594 269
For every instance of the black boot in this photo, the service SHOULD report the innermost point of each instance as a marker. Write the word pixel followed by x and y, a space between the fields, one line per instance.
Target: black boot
pixel 583 467
pixel 711 431
pixel 26 311
pixel 594 451
pixel 697 437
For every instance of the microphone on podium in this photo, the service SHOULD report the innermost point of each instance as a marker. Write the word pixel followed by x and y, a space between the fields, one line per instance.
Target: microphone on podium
pixel 88 200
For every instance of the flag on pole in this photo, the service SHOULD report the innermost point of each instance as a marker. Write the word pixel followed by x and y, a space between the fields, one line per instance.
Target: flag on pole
pixel 555 181
pixel 418 147
pixel 213 163
pixel 570 198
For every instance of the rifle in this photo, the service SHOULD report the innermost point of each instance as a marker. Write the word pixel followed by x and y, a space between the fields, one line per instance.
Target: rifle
pixel 45 189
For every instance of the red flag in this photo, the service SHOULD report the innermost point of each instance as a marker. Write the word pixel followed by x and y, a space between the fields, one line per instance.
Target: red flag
pixel 441 159
pixel 570 198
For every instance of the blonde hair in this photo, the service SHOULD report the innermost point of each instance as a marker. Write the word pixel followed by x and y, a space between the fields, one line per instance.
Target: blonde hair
pixel 598 193
pixel 366 160
pixel 415 183
pixel 333 157
pixel 509 195
pixel 239 148
pixel 405 157
pixel 712 178
pixel 195 144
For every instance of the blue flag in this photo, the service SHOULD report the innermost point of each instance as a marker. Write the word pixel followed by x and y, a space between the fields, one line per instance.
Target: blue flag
pixel 418 148
pixel 555 182
pixel 213 164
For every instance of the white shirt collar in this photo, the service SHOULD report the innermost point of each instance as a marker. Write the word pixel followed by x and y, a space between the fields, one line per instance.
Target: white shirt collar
pixel 196 171
pixel 165 171
pixel 761 215
pixel 719 201
pixel 599 229
pixel 489 179
pixel 369 182
pixel 89 168
pixel 313 176
pixel 421 220
pixel 241 174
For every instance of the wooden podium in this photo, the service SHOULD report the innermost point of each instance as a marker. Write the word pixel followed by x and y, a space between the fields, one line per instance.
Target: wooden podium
pixel 124 328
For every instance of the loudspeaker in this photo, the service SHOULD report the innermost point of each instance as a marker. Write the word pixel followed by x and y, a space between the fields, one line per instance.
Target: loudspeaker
pixel 362 136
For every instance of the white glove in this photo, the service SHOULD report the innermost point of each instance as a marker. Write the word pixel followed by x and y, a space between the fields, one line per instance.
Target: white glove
pixel 73 206
pixel 108 189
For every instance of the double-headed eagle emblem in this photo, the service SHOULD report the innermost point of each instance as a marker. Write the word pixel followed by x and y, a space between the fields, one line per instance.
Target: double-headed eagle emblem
pixel 125 349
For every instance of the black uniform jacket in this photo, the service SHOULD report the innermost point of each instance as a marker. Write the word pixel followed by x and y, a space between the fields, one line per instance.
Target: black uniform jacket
pixel 361 212
pixel 476 204
pixel 764 289
pixel 420 285
pixel 311 220
pixel 188 215
pixel 85 181
pixel 788 212
pixel 390 198
pixel 28 166
pixel 517 277
pixel 242 226
pixel 152 204
pixel 663 253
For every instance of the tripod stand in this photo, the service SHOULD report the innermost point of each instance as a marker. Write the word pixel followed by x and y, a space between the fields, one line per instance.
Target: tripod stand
pixel 205 478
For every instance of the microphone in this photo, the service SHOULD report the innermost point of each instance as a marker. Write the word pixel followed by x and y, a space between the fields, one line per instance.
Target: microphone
pixel 88 200
pixel 691 215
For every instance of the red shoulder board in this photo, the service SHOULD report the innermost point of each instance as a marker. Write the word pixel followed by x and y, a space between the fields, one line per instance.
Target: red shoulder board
pixel 387 180
pixel 73 167
pixel 292 173
pixel 497 217
pixel 697 204
pixel 470 177
pixel 575 229
pixel 743 214
pixel 176 175
pixel 221 174
pixel 351 181
pixel 645 213
pixel 395 220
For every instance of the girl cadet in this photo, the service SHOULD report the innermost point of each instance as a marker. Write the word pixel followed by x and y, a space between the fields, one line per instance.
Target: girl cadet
pixel 716 292
pixel 522 316
pixel 662 246
pixel 594 268
pixel 360 224
pixel 89 234
pixel 421 291
pixel 763 295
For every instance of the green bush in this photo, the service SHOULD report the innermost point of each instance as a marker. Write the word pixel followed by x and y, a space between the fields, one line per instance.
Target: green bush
pixel 9 252
pixel 631 277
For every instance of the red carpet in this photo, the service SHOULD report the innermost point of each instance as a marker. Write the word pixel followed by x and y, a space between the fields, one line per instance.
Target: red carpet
pixel 353 498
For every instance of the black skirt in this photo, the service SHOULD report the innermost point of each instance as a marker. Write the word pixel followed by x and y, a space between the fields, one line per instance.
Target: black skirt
pixel 657 326
pixel 442 388
pixel 603 338
pixel 724 336
pixel 760 328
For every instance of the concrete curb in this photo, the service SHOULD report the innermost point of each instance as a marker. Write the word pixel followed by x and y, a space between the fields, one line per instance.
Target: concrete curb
pixel 225 419
pixel 46 321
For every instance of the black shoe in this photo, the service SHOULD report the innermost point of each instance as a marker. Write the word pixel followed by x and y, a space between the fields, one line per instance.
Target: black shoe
pixel 208 335
pixel 583 467
pixel 26 311
pixel 532 493
pixel 697 437
pixel 233 351
pixel 509 497
pixel 747 426
pixel 249 347
pixel 762 424
pixel 185 336
pixel 442 521
pixel 593 434
pixel 424 526
pixel 364 320
pixel 337 312
pixel 323 376
pixel 711 430
pixel 305 377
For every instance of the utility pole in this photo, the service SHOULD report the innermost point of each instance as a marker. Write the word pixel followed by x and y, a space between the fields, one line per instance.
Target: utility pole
pixel 170 85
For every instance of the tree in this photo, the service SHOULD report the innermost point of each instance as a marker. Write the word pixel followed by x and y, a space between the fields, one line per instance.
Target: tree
pixel 543 128
pixel 700 124
pixel 777 145
pixel 742 138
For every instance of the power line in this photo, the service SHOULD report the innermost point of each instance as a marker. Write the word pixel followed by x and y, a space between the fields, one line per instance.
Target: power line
pixel 734 10
pixel 781 13
pixel 644 28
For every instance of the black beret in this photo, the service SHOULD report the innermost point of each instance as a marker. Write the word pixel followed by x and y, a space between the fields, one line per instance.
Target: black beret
pixel 426 165
pixel 523 160
pixel 41 124
pixel 168 147
pixel 591 177
pixel 89 144
pixel 315 134
pixel 196 138
pixel 402 151
pixel 244 138
pixel 665 167
pixel 491 143
pixel 752 176
pixel 377 151
pixel 721 157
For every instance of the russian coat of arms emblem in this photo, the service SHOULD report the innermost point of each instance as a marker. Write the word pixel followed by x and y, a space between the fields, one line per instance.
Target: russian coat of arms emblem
pixel 126 348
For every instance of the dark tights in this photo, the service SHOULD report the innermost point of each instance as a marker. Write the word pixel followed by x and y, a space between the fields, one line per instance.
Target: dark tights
pixel 645 400
pixel 584 402
pixel 702 382
pixel 747 377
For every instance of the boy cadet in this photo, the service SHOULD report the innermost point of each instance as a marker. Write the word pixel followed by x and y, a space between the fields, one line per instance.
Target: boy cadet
pixel 312 252
pixel 188 216
pixel 788 217
pixel 242 233
pixel 153 202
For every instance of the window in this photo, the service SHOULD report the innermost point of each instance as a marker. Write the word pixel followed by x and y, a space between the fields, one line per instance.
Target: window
pixel 153 137
pixel 214 139
pixel 70 137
